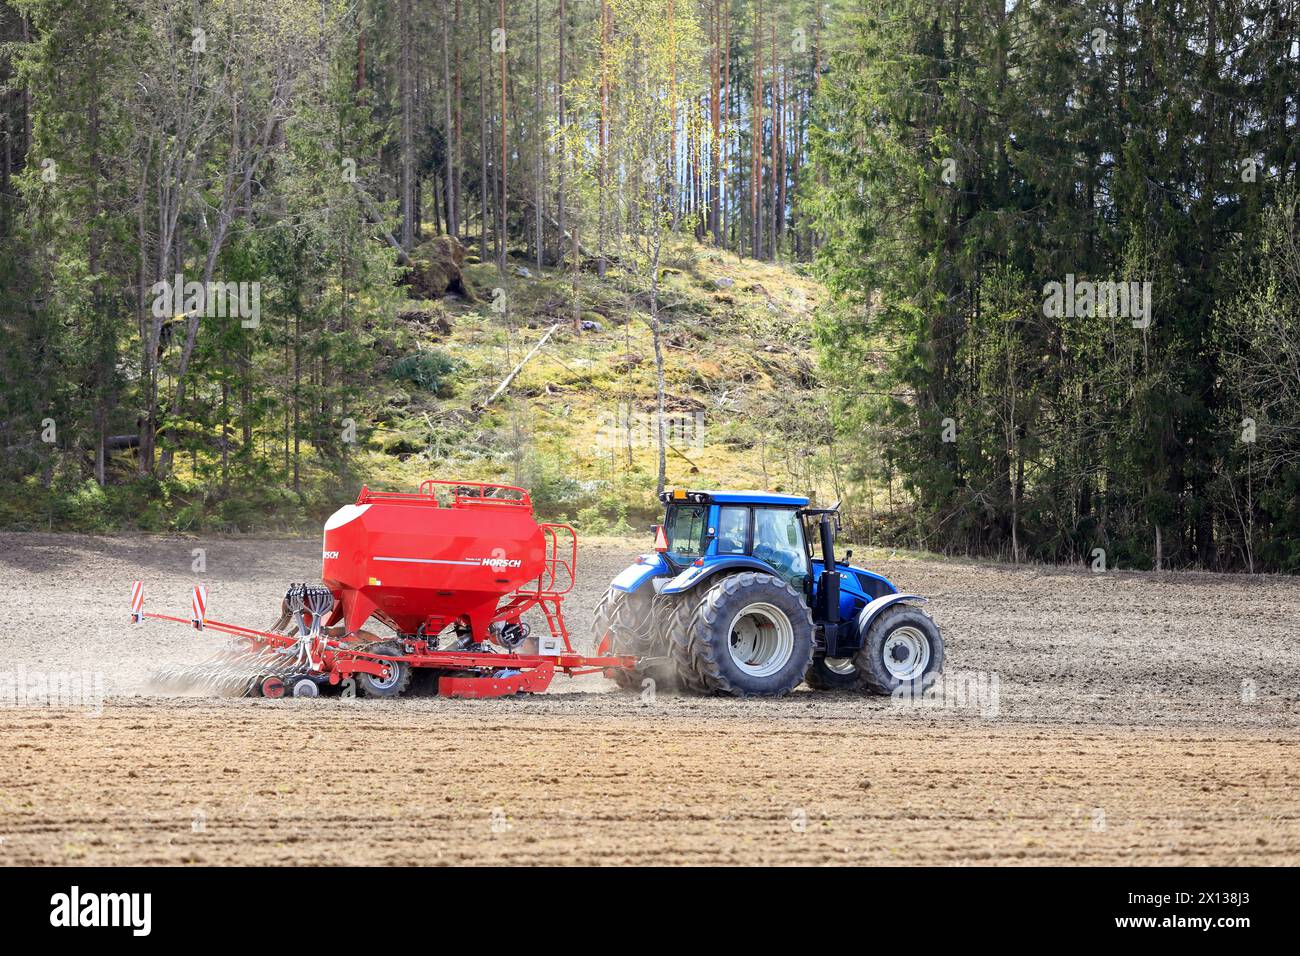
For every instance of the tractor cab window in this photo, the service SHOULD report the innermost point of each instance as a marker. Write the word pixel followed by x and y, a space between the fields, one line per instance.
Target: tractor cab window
pixel 733 530
pixel 813 537
pixel 778 540
pixel 687 528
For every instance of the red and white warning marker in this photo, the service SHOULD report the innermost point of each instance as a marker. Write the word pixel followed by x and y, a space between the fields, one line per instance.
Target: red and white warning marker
pixel 137 602
pixel 199 611
pixel 661 539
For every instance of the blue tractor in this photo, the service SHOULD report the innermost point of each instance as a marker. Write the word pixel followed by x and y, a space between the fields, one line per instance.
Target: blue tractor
pixel 744 596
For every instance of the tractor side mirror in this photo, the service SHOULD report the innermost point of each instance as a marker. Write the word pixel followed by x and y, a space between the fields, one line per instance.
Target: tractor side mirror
pixel 848 555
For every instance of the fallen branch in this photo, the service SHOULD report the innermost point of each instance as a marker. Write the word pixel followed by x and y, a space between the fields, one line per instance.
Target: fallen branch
pixel 505 383
pixel 676 452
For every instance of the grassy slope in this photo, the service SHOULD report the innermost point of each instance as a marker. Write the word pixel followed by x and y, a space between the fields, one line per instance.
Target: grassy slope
pixel 738 353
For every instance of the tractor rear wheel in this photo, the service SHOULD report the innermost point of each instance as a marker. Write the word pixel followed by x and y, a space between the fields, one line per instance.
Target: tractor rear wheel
pixel 398 679
pixel 832 673
pixel 627 620
pixel 903 646
pixel 751 634
pixel 678 631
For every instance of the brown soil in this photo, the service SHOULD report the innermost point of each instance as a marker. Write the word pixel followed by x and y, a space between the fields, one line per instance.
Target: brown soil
pixel 1137 719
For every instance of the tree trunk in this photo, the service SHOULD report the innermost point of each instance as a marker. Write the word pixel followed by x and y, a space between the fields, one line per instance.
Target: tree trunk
pixel 407 134
pixel 484 183
pixel 659 354
pixel 756 139
pixel 505 126
pixel 449 176
pixel 673 198
pixel 602 182
pixel 459 130
pixel 537 129
pixel 563 160
pixel 715 120
pixel 724 187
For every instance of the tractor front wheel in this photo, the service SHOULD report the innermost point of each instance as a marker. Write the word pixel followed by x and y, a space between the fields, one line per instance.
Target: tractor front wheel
pixel 903 646
pixel 751 634
pixel 832 673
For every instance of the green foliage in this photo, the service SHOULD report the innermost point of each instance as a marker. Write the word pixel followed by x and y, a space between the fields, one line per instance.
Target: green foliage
pixel 136 136
pixel 552 489
pixel 967 157
pixel 592 520
pixel 429 370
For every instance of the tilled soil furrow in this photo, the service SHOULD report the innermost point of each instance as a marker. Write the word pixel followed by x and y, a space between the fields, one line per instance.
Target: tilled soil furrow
pixel 762 792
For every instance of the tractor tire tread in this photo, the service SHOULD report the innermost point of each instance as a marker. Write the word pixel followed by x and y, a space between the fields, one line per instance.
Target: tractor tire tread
pixel 679 644
pixel 613 606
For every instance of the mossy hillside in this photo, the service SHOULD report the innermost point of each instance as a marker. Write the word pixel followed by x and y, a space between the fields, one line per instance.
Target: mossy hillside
pixel 739 372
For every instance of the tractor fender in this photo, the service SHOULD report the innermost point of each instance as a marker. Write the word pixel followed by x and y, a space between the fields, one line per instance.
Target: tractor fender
pixel 634 575
pixel 873 608
pixel 702 572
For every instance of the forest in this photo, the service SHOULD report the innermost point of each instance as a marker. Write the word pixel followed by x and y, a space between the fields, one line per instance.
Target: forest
pixel 1056 247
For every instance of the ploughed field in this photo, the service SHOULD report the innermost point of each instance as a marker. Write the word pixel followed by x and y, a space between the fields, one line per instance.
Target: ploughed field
pixel 1085 718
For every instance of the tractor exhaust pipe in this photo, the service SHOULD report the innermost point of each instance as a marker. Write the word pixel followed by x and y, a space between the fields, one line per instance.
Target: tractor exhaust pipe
pixel 828 542
pixel 829 590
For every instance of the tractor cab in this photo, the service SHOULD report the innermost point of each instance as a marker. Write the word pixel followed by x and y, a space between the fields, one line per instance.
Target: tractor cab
pixel 702 529
pixel 707 527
